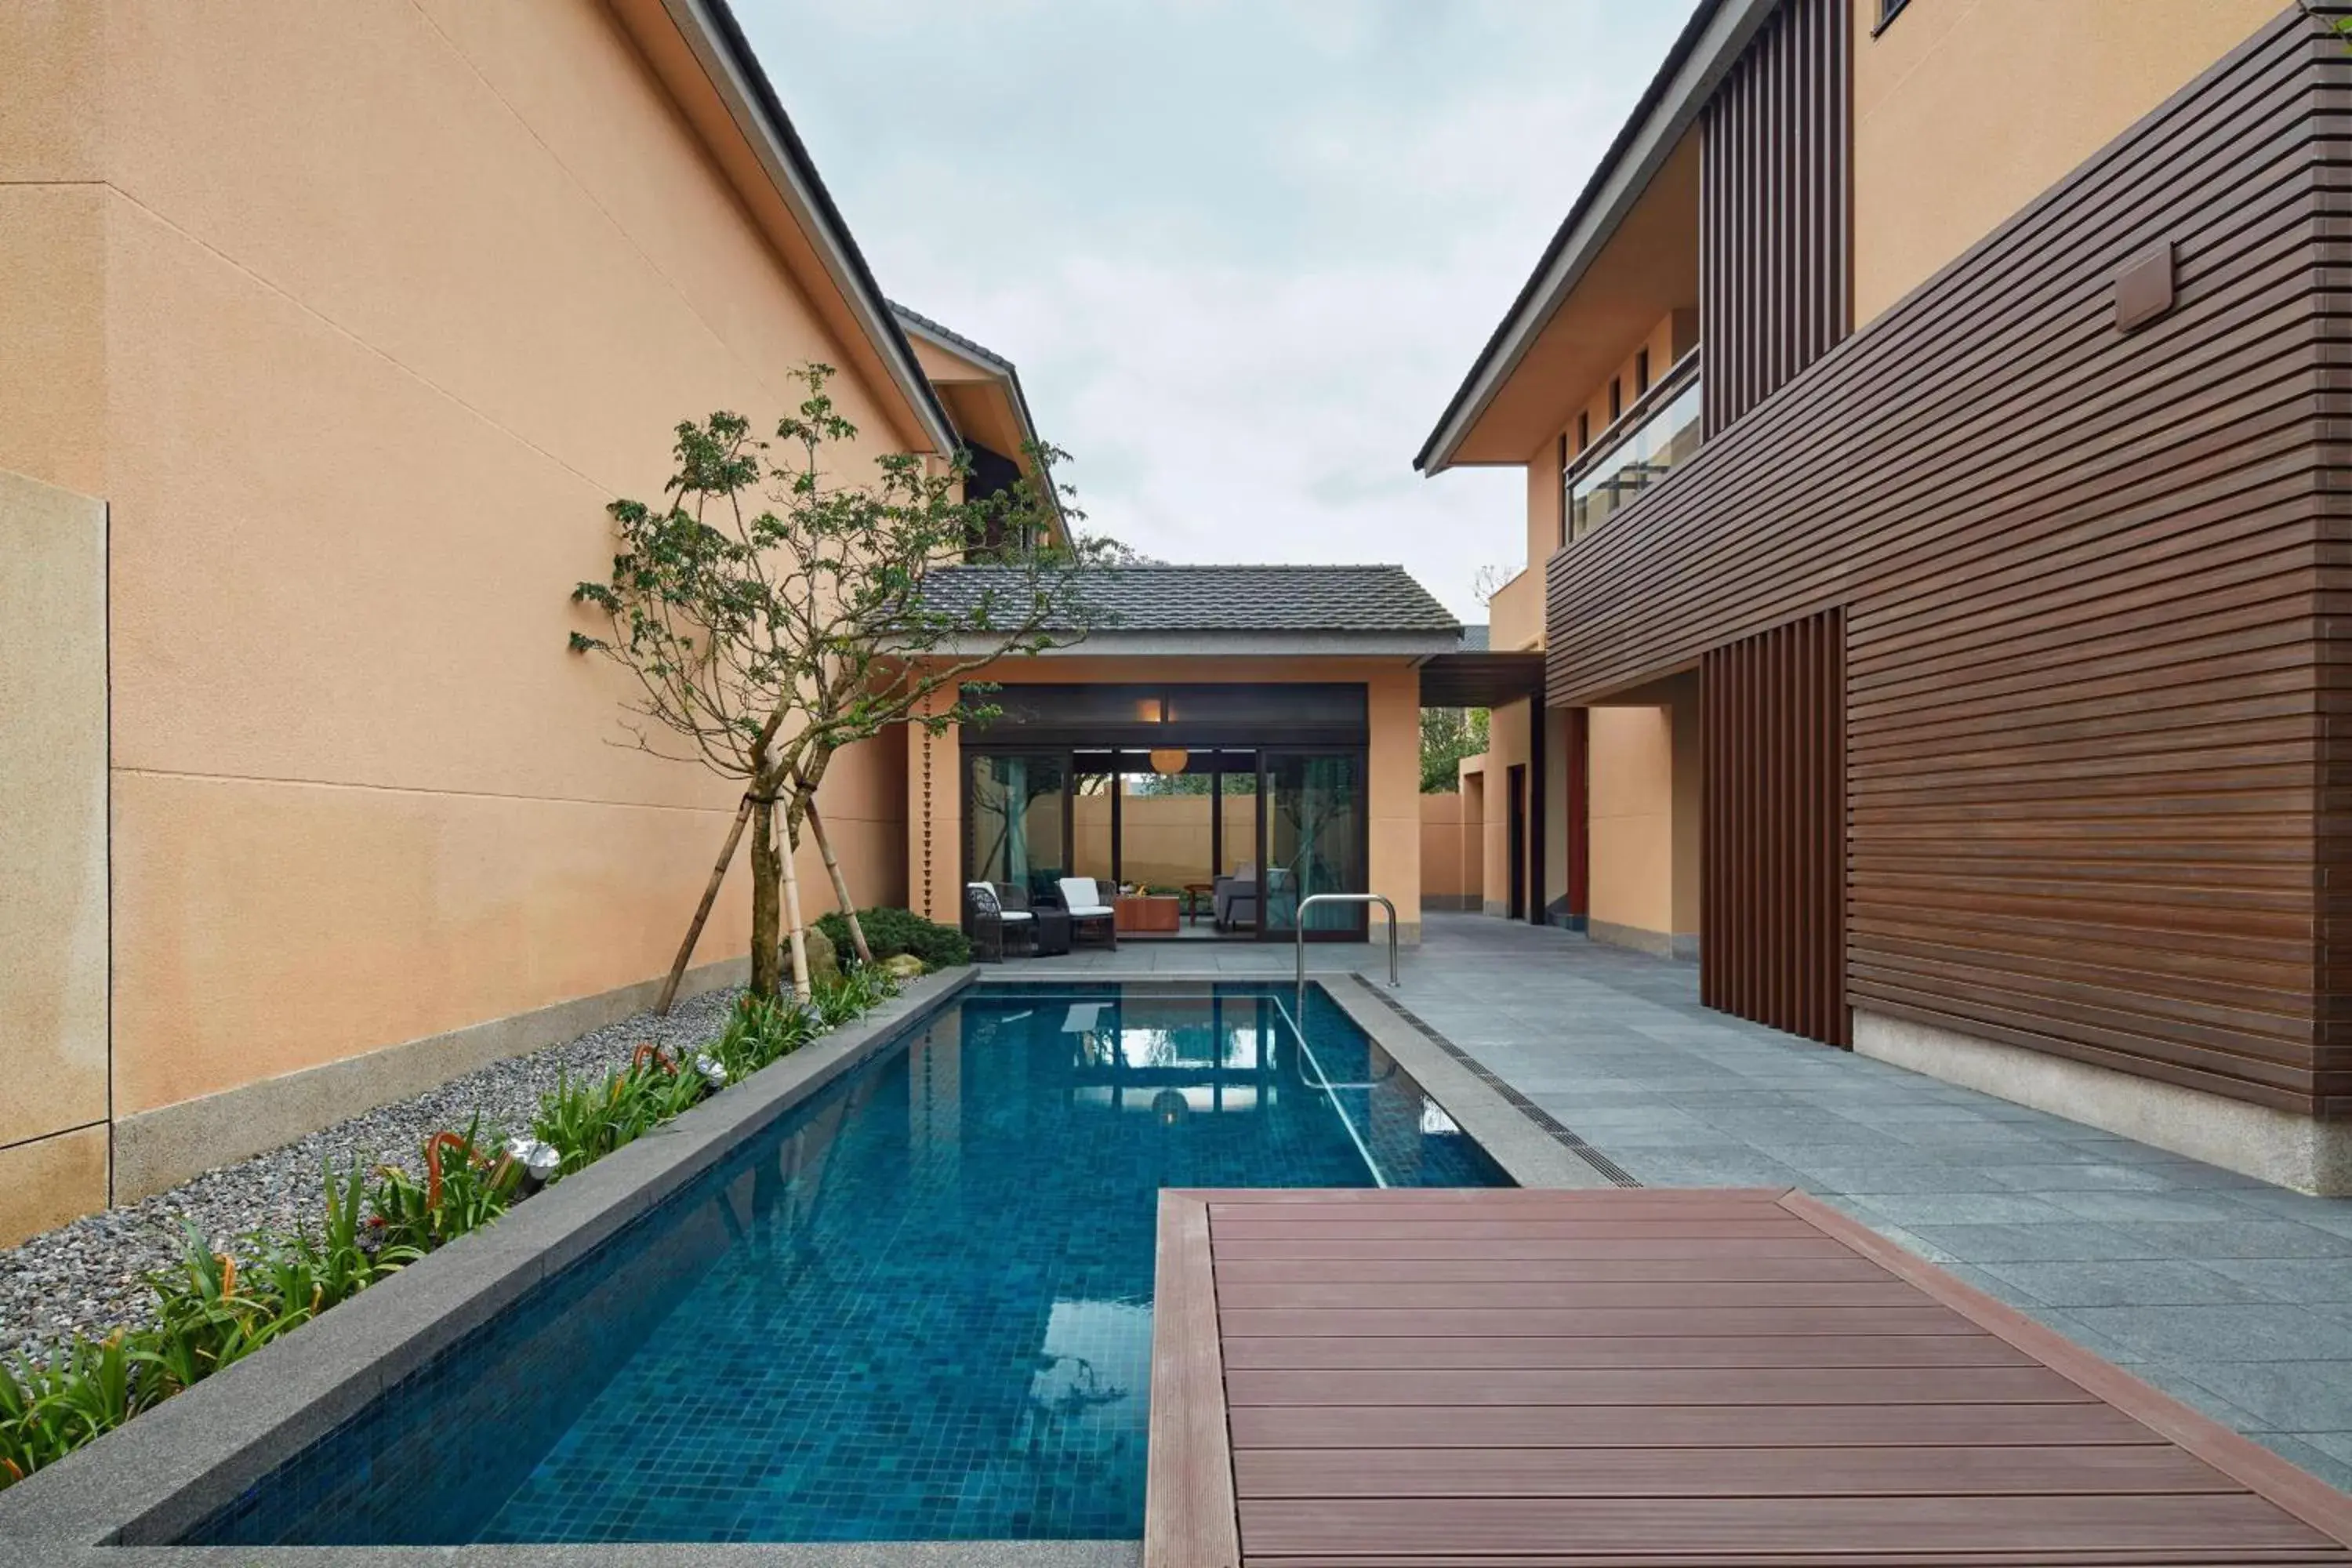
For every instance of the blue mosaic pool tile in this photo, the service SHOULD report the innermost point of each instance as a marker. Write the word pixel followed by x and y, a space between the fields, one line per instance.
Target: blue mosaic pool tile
pixel 920 1309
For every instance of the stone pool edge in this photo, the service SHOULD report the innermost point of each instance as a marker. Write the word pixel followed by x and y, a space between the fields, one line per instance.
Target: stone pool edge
pixel 1529 1154
pixel 165 1473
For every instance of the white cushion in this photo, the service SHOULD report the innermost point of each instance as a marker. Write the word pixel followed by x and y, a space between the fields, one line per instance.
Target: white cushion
pixel 1080 896
pixel 1011 915
pixel 1095 909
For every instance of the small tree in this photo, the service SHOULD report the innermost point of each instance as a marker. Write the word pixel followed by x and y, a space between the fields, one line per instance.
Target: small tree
pixel 774 611
pixel 1448 735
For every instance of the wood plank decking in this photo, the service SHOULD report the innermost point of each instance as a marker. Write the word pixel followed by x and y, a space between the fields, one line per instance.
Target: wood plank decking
pixel 1430 1377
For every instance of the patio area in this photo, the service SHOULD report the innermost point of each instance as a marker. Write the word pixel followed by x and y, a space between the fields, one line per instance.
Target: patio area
pixel 2232 1296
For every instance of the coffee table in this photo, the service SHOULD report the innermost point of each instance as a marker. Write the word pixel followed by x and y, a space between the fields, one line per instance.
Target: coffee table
pixel 1145 914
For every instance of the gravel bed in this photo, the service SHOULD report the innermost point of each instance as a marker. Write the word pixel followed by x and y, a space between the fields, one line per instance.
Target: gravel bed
pixel 89 1276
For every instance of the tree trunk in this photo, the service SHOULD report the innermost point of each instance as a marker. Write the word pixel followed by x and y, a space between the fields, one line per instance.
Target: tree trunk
pixel 801 987
pixel 840 885
pixel 766 868
pixel 702 910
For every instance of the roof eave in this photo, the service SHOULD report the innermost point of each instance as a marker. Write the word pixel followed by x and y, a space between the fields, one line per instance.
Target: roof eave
pixel 989 359
pixel 710 30
pixel 1704 52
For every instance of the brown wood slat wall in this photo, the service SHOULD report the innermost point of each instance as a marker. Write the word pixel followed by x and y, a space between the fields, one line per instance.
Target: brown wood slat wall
pixel 2089 581
pixel 1776 275
pixel 1772 902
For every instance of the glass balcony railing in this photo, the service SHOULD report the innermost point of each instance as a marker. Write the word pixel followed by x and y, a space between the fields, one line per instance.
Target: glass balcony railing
pixel 1657 434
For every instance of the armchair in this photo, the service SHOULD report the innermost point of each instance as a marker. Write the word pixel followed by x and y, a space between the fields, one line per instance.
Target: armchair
pixel 1090 914
pixel 1234 899
pixel 995 930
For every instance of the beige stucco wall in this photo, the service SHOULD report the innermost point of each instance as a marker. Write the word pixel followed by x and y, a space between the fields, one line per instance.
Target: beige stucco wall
pixel 1507 747
pixel 1967 110
pixel 934 772
pixel 1633 872
pixel 1444 879
pixel 1473 775
pixel 53 886
pixel 357 315
pixel 1515 614
pixel 1646 792
pixel 1166 838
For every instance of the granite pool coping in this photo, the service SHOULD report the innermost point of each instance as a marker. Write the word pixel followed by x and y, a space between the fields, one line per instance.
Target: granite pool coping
pixel 1529 1154
pixel 115 1503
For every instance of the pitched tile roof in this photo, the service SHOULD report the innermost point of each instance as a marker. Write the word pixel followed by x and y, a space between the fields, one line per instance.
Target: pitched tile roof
pixel 941 329
pixel 1158 598
pixel 1475 640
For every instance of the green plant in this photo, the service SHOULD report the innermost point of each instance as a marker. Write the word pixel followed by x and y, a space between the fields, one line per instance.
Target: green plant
pixel 1447 736
pixel 761 1031
pixel 891 931
pixel 212 1309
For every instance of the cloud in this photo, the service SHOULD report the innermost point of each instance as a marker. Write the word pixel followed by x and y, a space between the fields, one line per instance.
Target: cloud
pixel 1243 254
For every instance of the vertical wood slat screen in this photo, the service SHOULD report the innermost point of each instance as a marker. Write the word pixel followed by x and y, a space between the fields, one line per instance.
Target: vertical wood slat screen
pixel 1776 272
pixel 1773 871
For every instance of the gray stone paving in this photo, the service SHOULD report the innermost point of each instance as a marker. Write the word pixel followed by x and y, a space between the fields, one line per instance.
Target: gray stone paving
pixel 2235 1296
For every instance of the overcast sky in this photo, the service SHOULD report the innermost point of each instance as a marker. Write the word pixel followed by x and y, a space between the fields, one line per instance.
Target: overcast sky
pixel 1244 252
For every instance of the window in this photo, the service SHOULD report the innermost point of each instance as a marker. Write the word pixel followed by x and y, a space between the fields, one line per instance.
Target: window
pixel 1641 372
pixel 1887 11
pixel 1616 399
pixel 1583 432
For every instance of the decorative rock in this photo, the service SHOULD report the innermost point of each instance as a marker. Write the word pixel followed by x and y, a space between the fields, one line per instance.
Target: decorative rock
pixel 824 965
pixel 903 966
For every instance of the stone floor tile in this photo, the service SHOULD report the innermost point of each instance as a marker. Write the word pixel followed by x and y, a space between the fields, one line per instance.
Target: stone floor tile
pixel 1832 1175
pixel 2234 1331
pixel 2037 1243
pixel 2319 1281
pixel 2124 1282
pixel 1916 1209
pixel 2280 1395
pixel 2204 1239
pixel 2081 1177
pixel 2148 1205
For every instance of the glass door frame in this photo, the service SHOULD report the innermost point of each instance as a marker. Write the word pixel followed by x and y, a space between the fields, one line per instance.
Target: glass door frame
pixel 1360 920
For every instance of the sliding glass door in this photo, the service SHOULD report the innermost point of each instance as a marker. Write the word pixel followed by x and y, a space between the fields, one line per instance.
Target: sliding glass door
pixel 1018 818
pixel 1312 817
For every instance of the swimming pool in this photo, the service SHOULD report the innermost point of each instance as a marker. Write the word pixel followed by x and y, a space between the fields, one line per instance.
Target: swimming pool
pixel 918 1306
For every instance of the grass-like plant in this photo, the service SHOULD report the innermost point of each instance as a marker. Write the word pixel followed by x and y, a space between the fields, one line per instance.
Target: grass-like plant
pixel 214 1308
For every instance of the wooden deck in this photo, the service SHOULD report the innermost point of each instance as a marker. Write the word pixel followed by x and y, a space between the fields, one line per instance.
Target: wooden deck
pixel 1657 1376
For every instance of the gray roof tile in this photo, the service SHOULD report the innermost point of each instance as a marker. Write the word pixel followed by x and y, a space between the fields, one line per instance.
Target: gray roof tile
pixel 1230 598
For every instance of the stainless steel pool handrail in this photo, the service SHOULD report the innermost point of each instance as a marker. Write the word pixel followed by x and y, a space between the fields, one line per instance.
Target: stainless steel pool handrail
pixel 1298 927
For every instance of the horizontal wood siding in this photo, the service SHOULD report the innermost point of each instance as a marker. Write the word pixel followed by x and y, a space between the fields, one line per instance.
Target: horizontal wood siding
pixel 2090 582
pixel 1772 903
pixel 1776 273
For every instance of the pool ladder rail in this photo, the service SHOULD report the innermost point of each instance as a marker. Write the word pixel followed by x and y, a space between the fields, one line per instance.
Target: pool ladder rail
pixel 1298 928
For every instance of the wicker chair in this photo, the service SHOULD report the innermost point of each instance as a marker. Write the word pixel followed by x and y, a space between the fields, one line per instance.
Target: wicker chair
pixel 996 932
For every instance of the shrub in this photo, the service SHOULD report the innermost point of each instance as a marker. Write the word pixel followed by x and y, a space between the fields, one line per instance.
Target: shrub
pixel 889 933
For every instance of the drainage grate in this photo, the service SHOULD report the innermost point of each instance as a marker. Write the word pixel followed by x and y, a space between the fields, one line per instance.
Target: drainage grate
pixel 1560 1131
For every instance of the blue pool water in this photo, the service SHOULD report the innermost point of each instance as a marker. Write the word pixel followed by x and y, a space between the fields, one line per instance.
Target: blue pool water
pixel 918 1307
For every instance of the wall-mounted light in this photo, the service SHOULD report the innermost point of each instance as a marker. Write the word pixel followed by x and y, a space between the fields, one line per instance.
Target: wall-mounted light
pixel 1167 760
